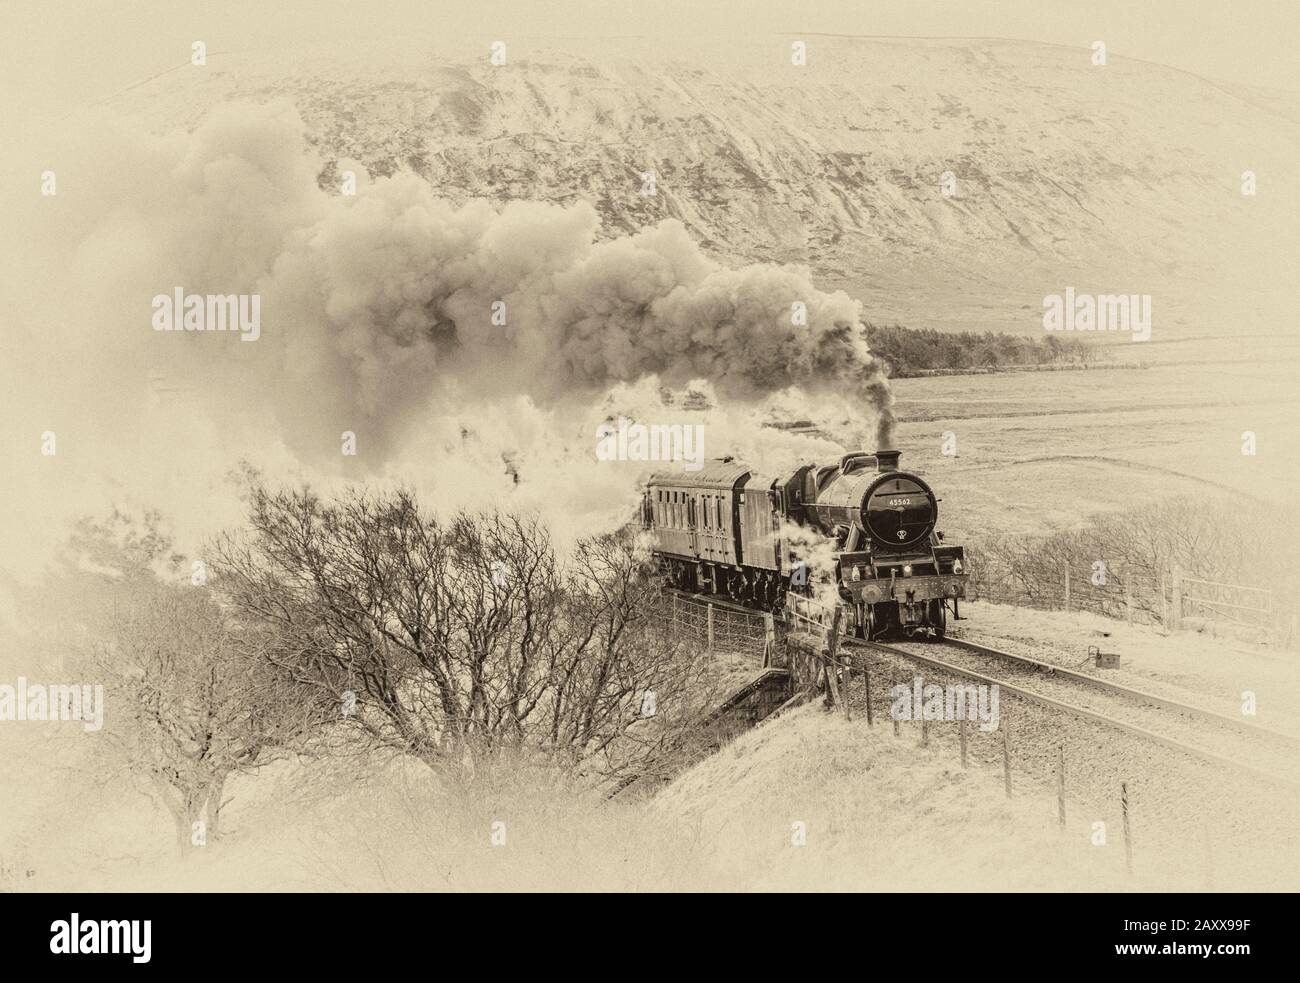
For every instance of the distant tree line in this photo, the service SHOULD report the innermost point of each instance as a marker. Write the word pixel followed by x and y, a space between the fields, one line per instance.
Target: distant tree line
pixel 915 351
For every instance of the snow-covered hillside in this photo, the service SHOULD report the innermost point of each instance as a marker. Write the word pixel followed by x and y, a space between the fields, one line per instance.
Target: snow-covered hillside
pixel 1123 177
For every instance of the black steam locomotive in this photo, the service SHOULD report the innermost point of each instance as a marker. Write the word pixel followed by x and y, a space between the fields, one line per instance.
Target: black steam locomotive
pixel 726 530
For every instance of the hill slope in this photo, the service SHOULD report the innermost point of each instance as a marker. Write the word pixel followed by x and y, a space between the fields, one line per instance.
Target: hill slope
pixel 1106 178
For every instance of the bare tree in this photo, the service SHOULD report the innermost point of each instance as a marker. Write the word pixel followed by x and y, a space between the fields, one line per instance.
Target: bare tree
pixel 190 702
pixel 459 640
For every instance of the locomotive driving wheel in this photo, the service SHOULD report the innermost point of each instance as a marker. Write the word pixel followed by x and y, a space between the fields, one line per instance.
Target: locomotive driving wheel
pixel 880 618
pixel 938 617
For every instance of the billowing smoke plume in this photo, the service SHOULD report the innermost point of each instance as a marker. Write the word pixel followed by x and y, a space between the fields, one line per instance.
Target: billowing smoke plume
pixel 376 304
pixel 395 295
pixel 415 324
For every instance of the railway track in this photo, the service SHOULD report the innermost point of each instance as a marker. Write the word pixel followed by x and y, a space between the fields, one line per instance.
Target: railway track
pixel 1109 752
pixel 1149 717
pixel 1178 726
pixel 1054 671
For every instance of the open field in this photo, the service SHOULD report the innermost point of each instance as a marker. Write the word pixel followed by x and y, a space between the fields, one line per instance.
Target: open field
pixel 1038 451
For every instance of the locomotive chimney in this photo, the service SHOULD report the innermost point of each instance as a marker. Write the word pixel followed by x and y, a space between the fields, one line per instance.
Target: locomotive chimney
pixel 887 461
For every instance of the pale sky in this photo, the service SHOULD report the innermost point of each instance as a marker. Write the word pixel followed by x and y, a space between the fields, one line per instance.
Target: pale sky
pixel 57 55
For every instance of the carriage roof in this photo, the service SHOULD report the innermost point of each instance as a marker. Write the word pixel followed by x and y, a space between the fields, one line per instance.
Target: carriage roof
pixel 714 474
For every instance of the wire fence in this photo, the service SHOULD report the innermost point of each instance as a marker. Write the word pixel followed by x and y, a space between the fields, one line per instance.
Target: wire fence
pixel 1134 822
pixel 1101 794
pixel 720 629
pixel 1170 599
pixel 1103 799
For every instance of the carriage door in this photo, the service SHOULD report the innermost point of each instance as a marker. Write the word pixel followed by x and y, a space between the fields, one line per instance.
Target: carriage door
pixel 692 532
pixel 778 515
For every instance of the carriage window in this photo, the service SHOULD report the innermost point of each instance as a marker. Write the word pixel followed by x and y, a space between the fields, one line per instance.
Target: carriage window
pixel 721 523
pixel 707 508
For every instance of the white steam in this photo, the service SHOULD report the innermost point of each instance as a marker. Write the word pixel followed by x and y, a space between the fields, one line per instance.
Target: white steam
pixel 378 319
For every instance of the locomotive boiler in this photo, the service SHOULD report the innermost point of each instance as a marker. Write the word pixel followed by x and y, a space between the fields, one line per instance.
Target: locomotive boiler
pixel 861 528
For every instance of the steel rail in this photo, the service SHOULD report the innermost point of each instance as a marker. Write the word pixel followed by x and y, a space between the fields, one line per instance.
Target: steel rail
pixel 1084 712
pixel 1106 685
pixel 1050 702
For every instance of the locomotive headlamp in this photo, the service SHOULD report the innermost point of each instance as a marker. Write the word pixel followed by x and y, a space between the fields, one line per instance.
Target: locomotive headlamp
pixel 907 569
pixel 956 566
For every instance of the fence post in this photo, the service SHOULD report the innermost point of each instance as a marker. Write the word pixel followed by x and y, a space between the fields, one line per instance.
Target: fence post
pixel 710 628
pixel 1067 588
pixel 1176 620
pixel 844 685
pixel 1128 844
pixel 925 730
pixel 1060 786
pixel 1164 606
pixel 866 684
pixel 831 665
pixel 1209 856
pixel 961 732
pixel 1006 757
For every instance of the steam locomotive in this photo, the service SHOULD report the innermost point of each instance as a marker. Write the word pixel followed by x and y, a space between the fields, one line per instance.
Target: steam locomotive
pixel 754 538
